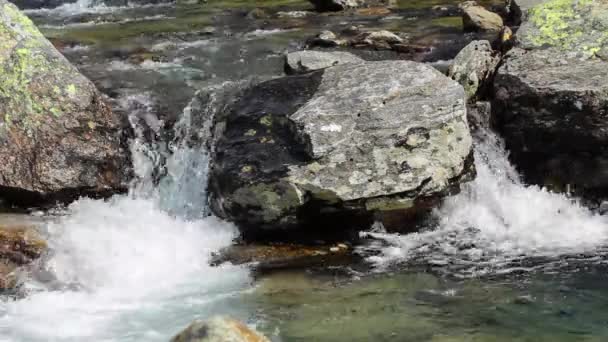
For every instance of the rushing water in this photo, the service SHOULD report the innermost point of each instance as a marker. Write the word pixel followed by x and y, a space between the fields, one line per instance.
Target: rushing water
pixel 497 223
pixel 501 261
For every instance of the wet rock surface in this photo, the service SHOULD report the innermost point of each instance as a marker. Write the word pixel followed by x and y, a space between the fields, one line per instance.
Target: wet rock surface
pixel 326 151
pixel 20 246
pixel 551 96
pixel 58 137
pixel 309 60
pixel 272 257
pixel 477 18
pixel 219 329
pixel 474 67
pixel 550 110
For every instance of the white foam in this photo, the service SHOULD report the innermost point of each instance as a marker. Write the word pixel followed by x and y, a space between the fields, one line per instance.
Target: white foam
pixel 102 22
pixel 121 265
pixel 90 6
pixel 497 220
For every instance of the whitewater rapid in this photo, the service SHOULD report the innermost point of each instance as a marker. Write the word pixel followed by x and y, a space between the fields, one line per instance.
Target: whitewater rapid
pixel 497 222
pixel 125 271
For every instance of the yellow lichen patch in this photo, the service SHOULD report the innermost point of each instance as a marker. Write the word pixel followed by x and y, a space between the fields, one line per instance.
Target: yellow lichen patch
pixel 71 90
pixel 568 25
pixel 266 120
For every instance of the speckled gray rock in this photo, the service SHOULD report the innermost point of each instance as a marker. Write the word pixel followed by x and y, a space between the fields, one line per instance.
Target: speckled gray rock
pixel 474 66
pixel 331 148
pixel 477 18
pixel 309 60
pixel 57 136
pixel 219 329
pixel 551 110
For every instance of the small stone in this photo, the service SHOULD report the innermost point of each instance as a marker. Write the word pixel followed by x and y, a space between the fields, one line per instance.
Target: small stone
pixel 306 61
pixel 219 329
pixel 477 18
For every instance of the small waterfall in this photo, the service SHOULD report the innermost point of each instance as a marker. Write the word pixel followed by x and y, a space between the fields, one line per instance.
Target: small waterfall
pixel 497 223
pixel 134 267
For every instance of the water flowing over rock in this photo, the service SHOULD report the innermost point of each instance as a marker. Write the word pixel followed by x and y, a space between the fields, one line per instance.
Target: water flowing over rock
pixel 477 18
pixel 305 61
pixel 219 329
pixel 551 96
pixel 326 151
pixel 474 67
pixel 58 137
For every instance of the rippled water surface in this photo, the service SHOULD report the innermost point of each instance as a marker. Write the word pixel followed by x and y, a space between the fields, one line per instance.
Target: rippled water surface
pixel 499 262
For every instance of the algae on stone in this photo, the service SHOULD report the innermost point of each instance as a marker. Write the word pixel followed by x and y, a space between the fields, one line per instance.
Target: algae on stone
pixel 570 25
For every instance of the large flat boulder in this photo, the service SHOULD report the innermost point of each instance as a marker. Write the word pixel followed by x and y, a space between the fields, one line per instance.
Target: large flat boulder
pixel 551 95
pixel 332 149
pixel 57 135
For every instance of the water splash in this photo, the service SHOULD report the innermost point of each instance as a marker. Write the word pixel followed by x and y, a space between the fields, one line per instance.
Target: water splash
pixel 134 267
pixel 124 270
pixel 497 222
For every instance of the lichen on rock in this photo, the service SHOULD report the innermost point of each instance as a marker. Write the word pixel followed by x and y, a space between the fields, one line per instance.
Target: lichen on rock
pixel 57 134
pixel 569 25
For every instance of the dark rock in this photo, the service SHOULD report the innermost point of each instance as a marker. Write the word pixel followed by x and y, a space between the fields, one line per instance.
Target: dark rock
pixel 335 5
pixel 327 39
pixel 35 4
pixel 479 115
pixel 550 110
pixel 58 138
pixel 551 98
pixel 326 151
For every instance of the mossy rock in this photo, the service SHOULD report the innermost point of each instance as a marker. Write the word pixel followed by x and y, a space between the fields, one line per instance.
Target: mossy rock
pixel 57 135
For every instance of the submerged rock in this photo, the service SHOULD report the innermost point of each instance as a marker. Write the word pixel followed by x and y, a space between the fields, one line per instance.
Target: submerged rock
pixel 474 67
pixel 219 329
pixel 327 151
pixel 58 138
pixel 305 61
pixel 19 246
pixel 477 18
pixel 271 257
pixel 551 96
pixel 327 39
